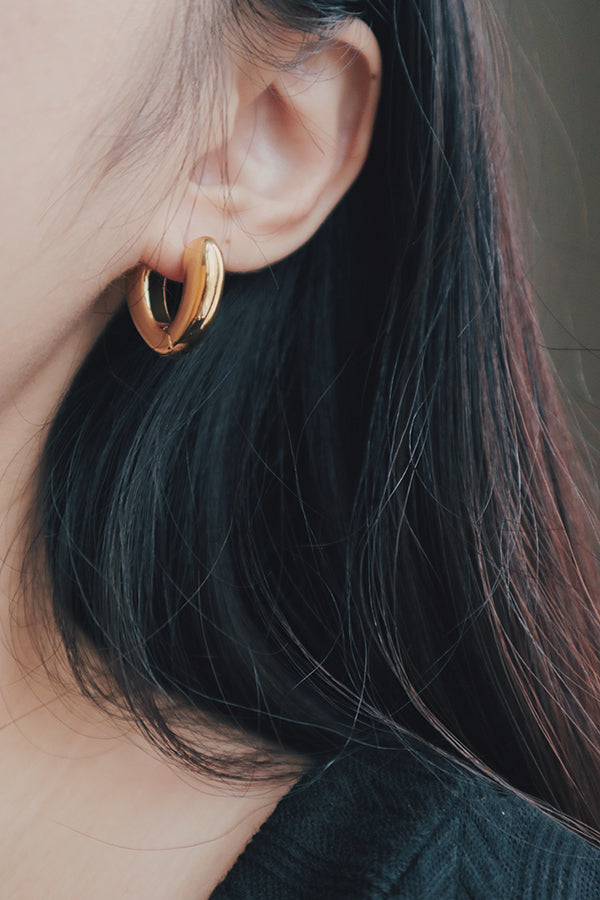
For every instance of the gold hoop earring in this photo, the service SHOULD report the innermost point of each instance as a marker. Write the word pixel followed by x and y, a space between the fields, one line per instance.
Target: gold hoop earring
pixel 204 272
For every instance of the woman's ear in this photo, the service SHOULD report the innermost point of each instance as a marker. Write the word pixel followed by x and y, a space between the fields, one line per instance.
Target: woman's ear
pixel 295 140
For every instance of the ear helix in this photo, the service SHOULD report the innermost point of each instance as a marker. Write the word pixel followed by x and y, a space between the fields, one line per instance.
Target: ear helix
pixel 204 270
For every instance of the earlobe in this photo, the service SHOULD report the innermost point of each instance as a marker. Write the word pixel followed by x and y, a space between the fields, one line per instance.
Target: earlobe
pixel 297 140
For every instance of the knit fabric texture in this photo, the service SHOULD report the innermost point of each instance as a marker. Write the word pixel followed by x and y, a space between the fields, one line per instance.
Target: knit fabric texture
pixel 407 824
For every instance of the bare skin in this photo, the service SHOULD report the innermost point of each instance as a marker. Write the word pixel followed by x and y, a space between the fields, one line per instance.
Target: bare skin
pixel 91 812
pixel 89 809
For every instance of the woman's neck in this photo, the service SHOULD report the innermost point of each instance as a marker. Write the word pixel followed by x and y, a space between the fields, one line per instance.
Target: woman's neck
pixel 29 395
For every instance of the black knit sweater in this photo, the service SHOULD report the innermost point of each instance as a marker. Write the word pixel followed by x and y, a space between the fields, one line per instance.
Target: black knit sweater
pixel 401 824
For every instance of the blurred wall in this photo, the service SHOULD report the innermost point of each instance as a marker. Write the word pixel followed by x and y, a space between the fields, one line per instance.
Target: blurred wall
pixel 555 47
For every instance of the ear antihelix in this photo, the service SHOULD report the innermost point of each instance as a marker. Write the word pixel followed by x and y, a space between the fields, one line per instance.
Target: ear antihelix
pixel 204 270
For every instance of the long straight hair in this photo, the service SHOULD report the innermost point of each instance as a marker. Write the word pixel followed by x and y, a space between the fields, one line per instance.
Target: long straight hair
pixel 354 512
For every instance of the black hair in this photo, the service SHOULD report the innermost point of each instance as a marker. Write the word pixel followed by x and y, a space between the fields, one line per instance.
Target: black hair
pixel 353 511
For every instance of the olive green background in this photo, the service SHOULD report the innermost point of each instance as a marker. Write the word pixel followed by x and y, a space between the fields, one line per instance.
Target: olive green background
pixel 555 50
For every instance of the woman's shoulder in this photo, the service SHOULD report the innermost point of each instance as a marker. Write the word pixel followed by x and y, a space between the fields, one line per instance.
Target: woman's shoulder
pixel 409 823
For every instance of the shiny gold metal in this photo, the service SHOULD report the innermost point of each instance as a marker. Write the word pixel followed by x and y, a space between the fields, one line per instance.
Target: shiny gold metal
pixel 204 272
